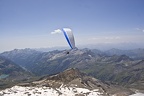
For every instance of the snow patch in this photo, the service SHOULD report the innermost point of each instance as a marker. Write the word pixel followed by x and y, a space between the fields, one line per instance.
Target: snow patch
pixel 137 94
pixel 47 91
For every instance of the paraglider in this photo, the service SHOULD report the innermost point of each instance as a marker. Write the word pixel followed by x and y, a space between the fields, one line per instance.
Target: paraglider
pixel 69 37
pixel 68 34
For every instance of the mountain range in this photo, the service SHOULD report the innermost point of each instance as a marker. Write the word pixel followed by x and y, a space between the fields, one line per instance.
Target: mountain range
pixel 135 53
pixel 120 67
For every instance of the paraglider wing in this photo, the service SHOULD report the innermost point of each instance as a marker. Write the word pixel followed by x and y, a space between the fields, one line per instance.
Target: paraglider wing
pixel 69 37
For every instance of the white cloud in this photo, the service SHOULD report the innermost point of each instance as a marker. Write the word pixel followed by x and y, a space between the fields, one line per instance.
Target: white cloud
pixel 112 38
pixel 105 38
pixel 95 38
pixel 58 31
pixel 139 29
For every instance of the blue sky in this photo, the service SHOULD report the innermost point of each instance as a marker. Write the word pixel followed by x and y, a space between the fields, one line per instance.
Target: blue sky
pixel 29 23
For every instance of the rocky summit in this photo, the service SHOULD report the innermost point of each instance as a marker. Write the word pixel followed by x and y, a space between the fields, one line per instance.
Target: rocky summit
pixel 71 78
pixel 70 82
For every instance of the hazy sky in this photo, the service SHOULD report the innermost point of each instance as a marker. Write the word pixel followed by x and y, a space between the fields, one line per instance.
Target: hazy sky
pixel 29 23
